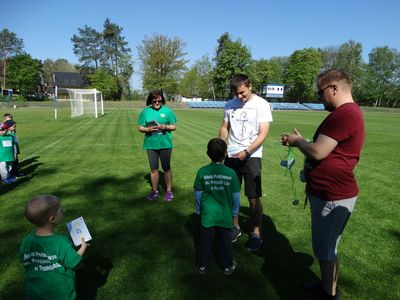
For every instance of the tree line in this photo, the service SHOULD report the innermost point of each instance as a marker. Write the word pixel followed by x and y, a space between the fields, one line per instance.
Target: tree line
pixel 106 61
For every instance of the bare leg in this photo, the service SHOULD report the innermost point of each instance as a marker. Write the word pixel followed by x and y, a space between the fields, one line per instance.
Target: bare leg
pixel 236 221
pixel 256 211
pixel 168 180
pixel 329 274
pixel 154 177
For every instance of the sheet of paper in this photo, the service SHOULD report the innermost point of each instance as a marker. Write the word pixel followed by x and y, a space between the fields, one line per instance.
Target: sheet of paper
pixel 78 229
pixel 233 149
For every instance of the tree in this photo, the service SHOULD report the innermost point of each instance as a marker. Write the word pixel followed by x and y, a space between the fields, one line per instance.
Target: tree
pixel 349 59
pixel 264 71
pixel 231 58
pixel 125 74
pixel 87 46
pixel 10 45
pixel 106 50
pixel 303 66
pixel 23 73
pixel 329 57
pixel 197 81
pixel 381 80
pixel 162 62
pixel 106 83
pixel 114 46
pixel 59 65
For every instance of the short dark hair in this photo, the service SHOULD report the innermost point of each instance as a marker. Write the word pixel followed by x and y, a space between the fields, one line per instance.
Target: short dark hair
pixel 154 94
pixel 332 75
pixel 7 115
pixel 40 208
pixel 238 80
pixel 216 149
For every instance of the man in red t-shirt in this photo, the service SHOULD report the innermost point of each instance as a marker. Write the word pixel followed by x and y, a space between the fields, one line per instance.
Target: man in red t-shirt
pixel 330 184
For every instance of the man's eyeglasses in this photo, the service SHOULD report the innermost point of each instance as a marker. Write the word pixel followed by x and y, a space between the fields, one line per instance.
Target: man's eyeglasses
pixel 156 101
pixel 321 92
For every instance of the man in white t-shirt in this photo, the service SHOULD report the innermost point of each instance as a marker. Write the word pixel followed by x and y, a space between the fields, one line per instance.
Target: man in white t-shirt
pixel 246 122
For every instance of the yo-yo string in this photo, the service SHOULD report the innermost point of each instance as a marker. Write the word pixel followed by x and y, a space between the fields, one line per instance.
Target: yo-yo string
pixel 288 162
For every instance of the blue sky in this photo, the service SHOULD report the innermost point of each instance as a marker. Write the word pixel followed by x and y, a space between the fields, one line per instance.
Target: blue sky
pixel 268 28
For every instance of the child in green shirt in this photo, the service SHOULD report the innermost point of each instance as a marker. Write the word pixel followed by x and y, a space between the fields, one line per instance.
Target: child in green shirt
pixel 48 258
pixel 217 195
pixel 7 151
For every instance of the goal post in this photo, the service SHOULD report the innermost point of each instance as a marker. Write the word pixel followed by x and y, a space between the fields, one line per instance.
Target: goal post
pixel 86 102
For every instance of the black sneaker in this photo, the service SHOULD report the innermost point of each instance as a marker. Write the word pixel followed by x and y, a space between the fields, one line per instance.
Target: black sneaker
pixel 236 232
pixel 230 270
pixel 201 269
pixel 254 243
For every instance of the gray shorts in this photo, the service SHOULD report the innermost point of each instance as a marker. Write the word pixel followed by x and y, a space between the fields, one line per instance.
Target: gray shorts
pixel 328 220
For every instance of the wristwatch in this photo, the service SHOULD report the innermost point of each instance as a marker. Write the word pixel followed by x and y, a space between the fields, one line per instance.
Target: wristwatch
pixel 247 153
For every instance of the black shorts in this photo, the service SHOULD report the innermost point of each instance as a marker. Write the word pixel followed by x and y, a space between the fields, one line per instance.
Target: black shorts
pixel 160 154
pixel 250 171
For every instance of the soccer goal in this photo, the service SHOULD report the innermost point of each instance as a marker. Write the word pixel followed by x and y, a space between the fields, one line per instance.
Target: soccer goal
pixel 86 102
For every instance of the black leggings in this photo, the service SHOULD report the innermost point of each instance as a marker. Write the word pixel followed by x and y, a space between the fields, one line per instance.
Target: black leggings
pixel 160 154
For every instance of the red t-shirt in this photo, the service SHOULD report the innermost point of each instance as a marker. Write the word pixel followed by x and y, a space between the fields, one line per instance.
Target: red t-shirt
pixel 332 178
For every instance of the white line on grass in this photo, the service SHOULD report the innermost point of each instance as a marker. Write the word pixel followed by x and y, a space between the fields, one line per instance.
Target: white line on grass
pixel 59 140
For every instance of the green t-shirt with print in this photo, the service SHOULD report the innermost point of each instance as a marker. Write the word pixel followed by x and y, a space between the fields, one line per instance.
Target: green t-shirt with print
pixel 7 147
pixel 218 183
pixel 49 262
pixel 160 139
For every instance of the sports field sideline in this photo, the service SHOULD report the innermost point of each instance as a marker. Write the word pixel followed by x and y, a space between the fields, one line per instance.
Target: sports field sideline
pixel 143 250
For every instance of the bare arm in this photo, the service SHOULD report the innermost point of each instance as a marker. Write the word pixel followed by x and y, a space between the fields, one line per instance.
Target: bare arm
pixel 147 129
pixel 224 130
pixel 317 150
pixel 83 247
pixel 170 127
pixel 263 130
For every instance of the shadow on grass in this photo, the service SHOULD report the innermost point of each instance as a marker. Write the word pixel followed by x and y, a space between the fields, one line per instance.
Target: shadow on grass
pixel 142 249
pixel 161 181
pixel 28 167
pixel 285 268
pixel 91 275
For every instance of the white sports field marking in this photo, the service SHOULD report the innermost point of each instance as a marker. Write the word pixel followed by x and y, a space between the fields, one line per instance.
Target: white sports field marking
pixel 59 140
pixel 101 145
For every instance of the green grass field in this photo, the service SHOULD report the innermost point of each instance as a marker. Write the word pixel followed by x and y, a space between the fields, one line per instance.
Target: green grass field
pixel 143 250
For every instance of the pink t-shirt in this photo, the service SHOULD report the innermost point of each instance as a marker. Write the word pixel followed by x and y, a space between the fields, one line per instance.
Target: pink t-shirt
pixel 332 178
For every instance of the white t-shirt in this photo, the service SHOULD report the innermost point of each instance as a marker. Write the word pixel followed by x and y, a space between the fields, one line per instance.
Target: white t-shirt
pixel 244 120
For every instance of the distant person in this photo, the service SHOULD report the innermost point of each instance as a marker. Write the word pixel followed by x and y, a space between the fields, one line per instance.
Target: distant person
pixel 49 259
pixel 330 184
pixel 157 121
pixel 246 122
pixel 7 151
pixel 15 172
pixel 217 195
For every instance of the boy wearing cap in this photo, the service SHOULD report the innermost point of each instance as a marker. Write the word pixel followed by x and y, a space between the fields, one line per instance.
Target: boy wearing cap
pixel 7 151
pixel 15 164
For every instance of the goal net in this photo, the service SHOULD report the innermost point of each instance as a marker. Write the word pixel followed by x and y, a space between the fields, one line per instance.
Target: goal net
pixel 86 102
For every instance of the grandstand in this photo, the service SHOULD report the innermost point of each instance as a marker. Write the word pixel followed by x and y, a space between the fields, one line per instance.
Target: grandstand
pixel 274 105
pixel 207 104
pixel 287 106
pixel 314 106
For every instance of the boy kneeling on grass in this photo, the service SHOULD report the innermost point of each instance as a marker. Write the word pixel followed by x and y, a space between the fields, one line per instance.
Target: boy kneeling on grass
pixel 217 195
pixel 48 258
